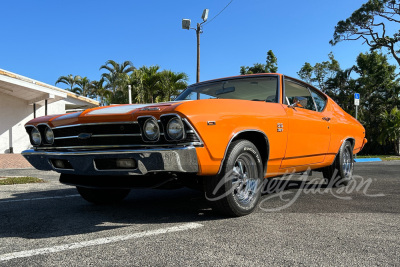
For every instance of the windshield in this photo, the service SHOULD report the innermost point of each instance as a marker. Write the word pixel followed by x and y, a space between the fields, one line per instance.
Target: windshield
pixel 256 89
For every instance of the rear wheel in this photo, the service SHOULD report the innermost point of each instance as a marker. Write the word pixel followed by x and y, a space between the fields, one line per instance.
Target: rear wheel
pixel 340 172
pixel 102 196
pixel 236 191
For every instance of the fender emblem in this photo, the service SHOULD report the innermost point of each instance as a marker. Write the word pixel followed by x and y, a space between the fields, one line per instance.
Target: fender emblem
pixel 84 136
pixel 280 127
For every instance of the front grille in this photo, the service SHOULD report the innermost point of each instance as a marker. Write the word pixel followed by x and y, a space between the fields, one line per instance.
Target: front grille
pixel 98 141
pixel 99 129
pixel 112 135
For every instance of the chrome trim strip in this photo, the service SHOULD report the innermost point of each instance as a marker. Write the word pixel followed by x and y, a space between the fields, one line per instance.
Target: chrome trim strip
pixel 112 135
pixel 66 137
pixel 105 152
pixel 121 146
pixel 98 135
pixel 98 123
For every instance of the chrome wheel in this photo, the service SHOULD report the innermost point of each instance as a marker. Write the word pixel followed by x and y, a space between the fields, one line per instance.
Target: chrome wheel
pixel 347 163
pixel 245 179
pixel 235 191
pixel 341 171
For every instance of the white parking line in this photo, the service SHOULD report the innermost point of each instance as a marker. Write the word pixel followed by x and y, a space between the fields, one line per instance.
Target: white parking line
pixel 38 198
pixel 96 242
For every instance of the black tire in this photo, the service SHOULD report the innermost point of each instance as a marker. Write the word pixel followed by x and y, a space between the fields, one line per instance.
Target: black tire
pixel 236 190
pixel 102 196
pixel 340 172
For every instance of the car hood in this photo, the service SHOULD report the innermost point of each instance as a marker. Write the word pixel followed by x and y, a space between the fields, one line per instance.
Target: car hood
pixel 129 109
pixel 113 113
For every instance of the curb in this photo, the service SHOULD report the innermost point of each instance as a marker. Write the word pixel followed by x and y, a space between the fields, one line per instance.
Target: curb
pixel 367 160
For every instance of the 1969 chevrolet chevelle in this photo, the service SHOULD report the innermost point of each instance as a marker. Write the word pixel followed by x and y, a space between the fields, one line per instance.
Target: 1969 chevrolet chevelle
pixel 224 136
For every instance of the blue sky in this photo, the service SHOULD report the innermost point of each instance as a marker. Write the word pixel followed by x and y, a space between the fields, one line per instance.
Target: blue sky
pixel 46 39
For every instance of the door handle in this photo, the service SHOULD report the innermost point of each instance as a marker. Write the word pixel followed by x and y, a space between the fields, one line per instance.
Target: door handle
pixel 326 118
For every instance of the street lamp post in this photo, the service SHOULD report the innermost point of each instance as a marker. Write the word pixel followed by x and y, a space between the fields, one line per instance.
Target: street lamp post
pixel 198 29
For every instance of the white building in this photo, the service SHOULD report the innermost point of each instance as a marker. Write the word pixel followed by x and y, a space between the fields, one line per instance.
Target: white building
pixel 22 99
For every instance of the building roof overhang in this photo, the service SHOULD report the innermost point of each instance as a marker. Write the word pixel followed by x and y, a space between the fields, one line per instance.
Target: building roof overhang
pixel 33 91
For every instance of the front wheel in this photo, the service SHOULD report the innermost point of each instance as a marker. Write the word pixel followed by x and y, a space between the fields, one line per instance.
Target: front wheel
pixel 102 196
pixel 341 171
pixel 236 190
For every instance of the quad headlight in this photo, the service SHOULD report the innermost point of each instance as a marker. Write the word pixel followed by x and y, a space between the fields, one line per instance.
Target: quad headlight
pixel 36 137
pixel 151 129
pixel 175 129
pixel 49 136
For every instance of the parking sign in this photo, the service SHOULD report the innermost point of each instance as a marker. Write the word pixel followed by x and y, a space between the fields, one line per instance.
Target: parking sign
pixel 357 99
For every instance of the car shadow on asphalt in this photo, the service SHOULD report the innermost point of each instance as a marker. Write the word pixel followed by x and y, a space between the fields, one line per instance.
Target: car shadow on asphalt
pixel 38 215
pixel 62 212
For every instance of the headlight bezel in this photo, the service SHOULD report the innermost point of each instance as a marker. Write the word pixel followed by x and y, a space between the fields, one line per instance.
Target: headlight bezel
pixel 47 141
pixel 166 119
pixel 157 133
pixel 181 134
pixel 38 134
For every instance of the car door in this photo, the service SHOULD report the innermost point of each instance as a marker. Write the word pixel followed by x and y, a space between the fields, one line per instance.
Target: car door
pixel 309 133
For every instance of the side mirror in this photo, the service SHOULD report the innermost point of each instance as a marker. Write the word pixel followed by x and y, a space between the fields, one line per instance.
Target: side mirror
pixel 296 104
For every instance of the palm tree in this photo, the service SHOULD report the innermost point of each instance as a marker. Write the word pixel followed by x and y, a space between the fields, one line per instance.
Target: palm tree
pixel 117 75
pixel 151 82
pixel 97 88
pixel 84 87
pixel 390 123
pixel 71 81
pixel 172 83
pixel 136 81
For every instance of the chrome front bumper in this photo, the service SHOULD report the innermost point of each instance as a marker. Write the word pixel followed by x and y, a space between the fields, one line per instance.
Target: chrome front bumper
pixel 182 160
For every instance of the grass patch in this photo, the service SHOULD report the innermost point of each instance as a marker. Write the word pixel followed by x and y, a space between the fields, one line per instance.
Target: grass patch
pixel 382 157
pixel 19 180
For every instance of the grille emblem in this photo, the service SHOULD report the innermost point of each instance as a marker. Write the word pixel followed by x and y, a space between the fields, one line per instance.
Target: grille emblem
pixel 84 135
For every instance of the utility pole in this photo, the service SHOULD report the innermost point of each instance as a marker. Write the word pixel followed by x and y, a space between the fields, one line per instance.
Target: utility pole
pixel 198 31
pixel 186 26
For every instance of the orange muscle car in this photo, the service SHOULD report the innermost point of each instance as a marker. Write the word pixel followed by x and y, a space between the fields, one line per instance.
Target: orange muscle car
pixel 224 136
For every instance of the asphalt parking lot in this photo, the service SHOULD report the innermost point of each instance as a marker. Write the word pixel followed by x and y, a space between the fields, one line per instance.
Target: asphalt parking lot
pixel 305 223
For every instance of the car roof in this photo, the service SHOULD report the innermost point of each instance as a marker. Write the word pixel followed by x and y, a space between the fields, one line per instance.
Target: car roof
pixel 253 76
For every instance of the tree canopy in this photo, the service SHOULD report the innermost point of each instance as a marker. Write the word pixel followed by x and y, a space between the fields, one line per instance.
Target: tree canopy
pixel 148 84
pixel 71 81
pixel 375 79
pixel 369 23
pixel 271 66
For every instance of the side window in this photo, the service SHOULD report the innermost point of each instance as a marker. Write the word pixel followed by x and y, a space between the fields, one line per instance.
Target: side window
pixel 319 100
pixel 297 93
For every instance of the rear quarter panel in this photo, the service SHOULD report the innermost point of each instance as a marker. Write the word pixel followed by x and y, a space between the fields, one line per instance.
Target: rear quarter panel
pixel 344 126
